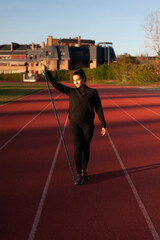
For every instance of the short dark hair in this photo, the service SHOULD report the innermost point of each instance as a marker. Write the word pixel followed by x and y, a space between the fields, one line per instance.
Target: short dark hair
pixel 81 73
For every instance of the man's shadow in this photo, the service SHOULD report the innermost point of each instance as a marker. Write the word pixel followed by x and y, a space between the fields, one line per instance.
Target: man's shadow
pixel 105 176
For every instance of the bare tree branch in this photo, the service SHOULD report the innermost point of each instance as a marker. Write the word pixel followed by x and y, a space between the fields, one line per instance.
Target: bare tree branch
pixel 152 30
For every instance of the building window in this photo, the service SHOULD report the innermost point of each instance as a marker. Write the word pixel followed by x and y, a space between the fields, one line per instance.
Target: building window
pixel 62 53
pixel 62 62
pixel 3 64
pixel 48 53
pixel 32 64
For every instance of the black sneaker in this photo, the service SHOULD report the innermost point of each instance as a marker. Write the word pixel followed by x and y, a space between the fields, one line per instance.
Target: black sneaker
pixel 79 180
pixel 85 176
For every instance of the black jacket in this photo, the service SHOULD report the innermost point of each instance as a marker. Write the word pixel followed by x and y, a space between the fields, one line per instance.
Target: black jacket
pixel 82 103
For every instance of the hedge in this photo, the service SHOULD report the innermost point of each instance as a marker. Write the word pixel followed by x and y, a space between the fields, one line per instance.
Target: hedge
pixel 126 69
pixel 14 77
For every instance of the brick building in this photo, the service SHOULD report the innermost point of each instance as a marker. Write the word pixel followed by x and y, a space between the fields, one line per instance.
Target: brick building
pixel 57 54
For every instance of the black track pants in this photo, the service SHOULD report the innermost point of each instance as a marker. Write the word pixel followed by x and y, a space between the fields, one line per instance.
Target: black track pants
pixel 81 137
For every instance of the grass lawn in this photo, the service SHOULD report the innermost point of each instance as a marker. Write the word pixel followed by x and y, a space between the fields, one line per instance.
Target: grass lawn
pixel 12 91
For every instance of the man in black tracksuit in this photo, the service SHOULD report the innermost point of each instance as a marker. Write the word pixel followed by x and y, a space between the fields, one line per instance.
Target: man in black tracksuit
pixel 82 103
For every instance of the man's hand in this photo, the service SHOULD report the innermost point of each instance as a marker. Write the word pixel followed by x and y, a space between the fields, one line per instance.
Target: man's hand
pixel 103 132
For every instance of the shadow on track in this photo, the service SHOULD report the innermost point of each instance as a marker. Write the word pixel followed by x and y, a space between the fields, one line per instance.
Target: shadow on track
pixel 102 177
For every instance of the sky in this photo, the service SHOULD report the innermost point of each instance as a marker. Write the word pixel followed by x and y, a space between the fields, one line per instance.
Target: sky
pixel 118 21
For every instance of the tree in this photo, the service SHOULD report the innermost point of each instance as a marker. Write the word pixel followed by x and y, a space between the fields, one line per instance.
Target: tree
pixel 152 30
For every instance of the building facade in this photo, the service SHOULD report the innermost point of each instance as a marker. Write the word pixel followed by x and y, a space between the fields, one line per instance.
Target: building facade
pixel 13 58
pixel 57 54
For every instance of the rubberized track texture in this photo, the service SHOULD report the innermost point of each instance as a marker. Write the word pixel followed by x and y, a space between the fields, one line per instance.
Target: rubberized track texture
pixel 39 200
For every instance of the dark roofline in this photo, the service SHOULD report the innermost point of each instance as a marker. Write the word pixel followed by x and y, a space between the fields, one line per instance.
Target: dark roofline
pixel 5 47
pixel 9 52
pixel 75 40
pixel 104 43
pixel 17 47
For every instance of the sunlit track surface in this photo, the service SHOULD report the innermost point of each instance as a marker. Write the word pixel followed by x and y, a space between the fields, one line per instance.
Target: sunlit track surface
pixel 38 197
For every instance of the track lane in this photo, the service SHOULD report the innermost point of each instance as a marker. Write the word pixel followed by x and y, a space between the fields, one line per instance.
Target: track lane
pixel 25 164
pixel 96 210
pixel 70 212
pixel 13 120
pixel 107 205
pixel 143 154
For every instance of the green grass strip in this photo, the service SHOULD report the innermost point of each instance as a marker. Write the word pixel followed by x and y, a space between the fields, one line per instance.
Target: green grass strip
pixel 12 91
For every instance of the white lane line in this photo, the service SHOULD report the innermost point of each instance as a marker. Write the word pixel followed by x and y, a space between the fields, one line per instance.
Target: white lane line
pixel 148 109
pixel 136 120
pixel 44 194
pixel 136 195
pixel 18 99
pixel 17 133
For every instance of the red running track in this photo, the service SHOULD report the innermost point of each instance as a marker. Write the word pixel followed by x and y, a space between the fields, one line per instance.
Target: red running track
pixel 38 197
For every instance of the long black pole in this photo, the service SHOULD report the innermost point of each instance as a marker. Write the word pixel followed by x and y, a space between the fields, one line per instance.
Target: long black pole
pixel 59 125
